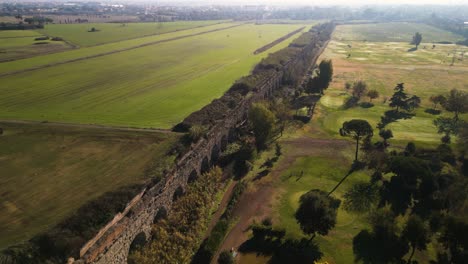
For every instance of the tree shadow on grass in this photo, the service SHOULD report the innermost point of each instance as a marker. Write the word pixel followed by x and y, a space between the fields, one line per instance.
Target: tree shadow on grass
pixel 283 251
pixel 432 111
pixel 393 116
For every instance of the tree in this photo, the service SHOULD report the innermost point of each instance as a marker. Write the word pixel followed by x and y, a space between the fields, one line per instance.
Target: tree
pixel 437 100
pixel 262 121
pixel 372 94
pixel 416 233
pixel 225 258
pixel 417 38
pixel 457 103
pixel 361 197
pixel 313 85
pixel 399 98
pixel 454 238
pixel 325 74
pixel 357 129
pixel 317 212
pixel 359 89
pixel 447 127
pixel 386 134
pixel 348 85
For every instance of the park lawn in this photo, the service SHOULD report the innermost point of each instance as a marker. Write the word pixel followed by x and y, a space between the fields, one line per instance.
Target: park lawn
pixel 49 171
pixel 395 31
pixel 85 52
pixel 153 86
pixel 79 34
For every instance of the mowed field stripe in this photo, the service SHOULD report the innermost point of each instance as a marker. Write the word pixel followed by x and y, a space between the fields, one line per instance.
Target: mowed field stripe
pixel 153 86
pixel 117 51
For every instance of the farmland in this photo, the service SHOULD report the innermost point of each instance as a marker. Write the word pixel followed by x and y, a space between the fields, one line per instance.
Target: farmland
pixel 49 171
pixel 156 85
pixel 16 44
pixel 80 35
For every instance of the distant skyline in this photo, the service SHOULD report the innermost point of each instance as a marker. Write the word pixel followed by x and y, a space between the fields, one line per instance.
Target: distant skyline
pixel 320 2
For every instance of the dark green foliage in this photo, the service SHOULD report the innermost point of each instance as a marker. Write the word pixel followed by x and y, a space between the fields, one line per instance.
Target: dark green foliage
pixel 416 233
pixel 263 122
pixel 356 129
pixel 268 241
pixel 457 103
pixel 317 212
pixel 382 244
pixel 361 197
pixel 454 238
pixel 410 149
pixel 373 94
pixel 401 100
pixel 325 74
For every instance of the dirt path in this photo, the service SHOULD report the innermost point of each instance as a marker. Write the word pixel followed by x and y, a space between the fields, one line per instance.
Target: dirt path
pixel 258 201
pixel 118 51
pixel 87 126
pixel 221 208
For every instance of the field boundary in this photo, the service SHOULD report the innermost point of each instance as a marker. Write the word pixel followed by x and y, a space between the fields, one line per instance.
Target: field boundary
pixel 118 51
pixel 278 41
pixel 88 126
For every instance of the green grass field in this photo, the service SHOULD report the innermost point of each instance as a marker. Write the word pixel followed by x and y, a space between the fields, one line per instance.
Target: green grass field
pixel 396 32
pixel 12 48
pixel 153 86
pixel 48 171
pixel 382 65
pixel 79 34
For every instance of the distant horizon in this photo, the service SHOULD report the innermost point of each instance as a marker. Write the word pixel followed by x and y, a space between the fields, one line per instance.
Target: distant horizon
pixel 266 2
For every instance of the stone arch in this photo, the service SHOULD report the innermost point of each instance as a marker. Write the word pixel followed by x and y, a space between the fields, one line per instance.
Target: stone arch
pixel 177 193
pixel 161 214
pixel 224 142
pixel 193 176
pixel 232 135
pixel 205 166
pixel 138 242
pixel 215 151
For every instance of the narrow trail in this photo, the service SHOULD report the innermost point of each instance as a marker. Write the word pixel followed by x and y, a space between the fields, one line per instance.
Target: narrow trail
pixel 88 126
pixel 117 51
pixel 221 208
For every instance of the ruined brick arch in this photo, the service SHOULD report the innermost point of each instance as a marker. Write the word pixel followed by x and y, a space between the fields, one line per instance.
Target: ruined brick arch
pixel 224 142
pixel 205 165
pixel 138 242
pixel 161 214
pixel 178 193
pixel 193 176
pixel 215 152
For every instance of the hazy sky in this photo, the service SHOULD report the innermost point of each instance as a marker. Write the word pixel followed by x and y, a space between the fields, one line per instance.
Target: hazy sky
pixel 332 2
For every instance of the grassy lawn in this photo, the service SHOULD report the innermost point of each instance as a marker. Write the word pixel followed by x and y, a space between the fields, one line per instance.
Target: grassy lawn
pixel 382 65
pixel 79 34
pixel 153 86
pixel 47 172
pixel 393 32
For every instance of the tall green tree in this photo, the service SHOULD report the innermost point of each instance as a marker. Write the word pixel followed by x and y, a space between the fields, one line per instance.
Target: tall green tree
pixel 317 212
pixel 373 94
pixel 417 38
pixel 325 74
pixel 457 103
pixel 262 121
pixel 401 100
pixel 417 234
pixel 356 129
pixel 437 100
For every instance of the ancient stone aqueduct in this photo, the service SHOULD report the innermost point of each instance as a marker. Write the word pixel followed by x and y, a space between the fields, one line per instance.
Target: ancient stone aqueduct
pixel 133 225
